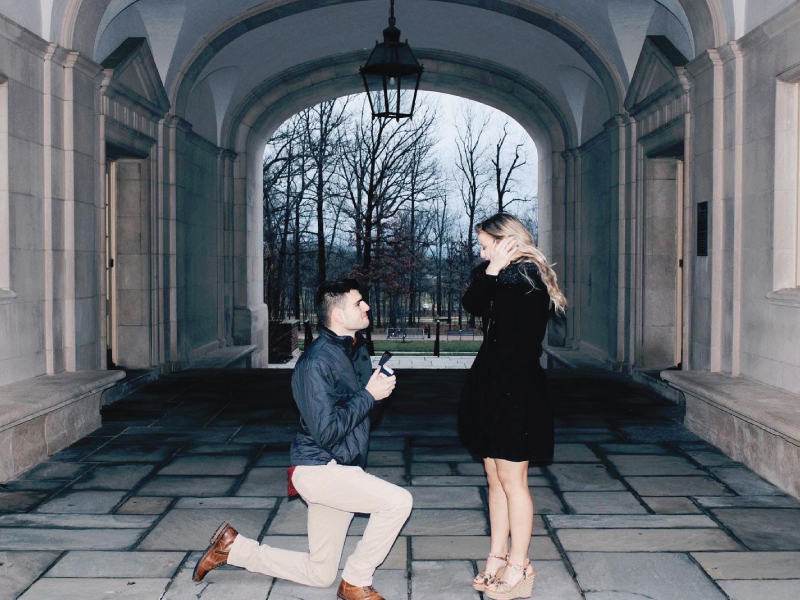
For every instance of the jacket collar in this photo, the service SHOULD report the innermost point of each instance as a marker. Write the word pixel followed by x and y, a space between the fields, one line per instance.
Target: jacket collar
pixel 345 342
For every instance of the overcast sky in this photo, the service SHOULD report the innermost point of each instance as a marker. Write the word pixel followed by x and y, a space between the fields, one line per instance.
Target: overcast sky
pixel 450 113
pixel 450 109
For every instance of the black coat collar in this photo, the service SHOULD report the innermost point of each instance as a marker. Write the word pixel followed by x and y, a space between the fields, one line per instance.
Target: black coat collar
pixel 344 341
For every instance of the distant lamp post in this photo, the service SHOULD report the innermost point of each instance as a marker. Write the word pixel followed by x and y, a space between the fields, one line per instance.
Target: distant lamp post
pixel 390 73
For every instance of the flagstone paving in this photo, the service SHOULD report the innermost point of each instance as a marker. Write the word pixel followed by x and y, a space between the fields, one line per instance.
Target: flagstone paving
pixel 635 506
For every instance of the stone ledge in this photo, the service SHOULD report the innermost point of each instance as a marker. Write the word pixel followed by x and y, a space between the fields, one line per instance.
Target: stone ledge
pixel 40 416
pixel 32 398
pixel 660 387
pixel 573 358
pixel 772 409
pixel 785 297
pixel 222 358
pixel 752 422
pixel 134 379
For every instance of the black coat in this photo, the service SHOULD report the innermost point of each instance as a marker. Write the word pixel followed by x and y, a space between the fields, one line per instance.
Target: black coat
pixel 505 411
pixel 329 387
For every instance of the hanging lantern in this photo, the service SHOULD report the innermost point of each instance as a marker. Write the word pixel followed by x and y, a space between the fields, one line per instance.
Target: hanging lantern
pixel 390 75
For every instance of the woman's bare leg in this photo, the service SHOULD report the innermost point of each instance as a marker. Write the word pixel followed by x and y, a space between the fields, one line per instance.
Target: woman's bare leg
pixel 498 518
pixel 513 477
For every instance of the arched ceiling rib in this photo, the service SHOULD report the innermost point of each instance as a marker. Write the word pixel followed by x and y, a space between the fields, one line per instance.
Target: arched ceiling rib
pixel 710 21
pixel 522 99
pixel 454 19
pixel 549 50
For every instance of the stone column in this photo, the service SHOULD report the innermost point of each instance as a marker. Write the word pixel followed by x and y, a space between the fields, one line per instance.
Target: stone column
pixel 225 234
pixel 552 232
pixel 170 135
pixel 251 316
pixel 82 216
pixel 733 60
pixel 619 131
pixel 707 101
pixel 52 198
pixel 572 245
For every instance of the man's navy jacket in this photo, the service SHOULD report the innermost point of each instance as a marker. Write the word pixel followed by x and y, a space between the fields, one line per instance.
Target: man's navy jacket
pixel 328 385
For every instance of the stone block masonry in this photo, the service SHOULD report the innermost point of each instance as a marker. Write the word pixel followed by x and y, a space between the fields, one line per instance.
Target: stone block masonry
pixel 41 416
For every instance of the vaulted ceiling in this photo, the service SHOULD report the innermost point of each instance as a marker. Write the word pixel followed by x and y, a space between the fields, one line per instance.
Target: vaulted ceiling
pixel 218 59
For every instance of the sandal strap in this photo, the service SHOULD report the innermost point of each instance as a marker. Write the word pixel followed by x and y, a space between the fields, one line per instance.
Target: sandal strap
pixel 503 558
pixel 523 568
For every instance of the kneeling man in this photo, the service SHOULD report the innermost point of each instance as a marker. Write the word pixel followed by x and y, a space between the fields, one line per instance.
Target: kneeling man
pixel 335 389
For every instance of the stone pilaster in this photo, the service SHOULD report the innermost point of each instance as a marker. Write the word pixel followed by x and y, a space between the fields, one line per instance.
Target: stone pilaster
pixel 707 100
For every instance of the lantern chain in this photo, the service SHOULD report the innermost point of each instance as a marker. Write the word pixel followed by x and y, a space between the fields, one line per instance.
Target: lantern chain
pixel 392 20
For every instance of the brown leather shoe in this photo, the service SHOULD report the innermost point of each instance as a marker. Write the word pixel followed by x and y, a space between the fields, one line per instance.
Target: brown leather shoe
pixel 354 592
pixel 217 553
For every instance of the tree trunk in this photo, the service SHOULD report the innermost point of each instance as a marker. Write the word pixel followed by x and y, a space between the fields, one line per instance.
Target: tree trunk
pixel 284 240
pixel 413 253
pixel 321 264
pixel 297 259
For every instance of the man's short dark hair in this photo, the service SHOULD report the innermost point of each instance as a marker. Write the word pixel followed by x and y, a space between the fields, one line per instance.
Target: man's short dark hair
pixel 330 294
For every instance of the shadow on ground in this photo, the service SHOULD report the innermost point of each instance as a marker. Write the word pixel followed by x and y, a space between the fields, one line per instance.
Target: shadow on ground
pixel 634 506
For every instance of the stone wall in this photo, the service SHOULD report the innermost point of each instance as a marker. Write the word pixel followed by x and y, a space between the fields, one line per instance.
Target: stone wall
pixel 133 260
pixel 660 314
pixel 597 219
pixel 61 117
pixel 198 245
pixel 22 353
pixel 50 299
pixel 770 320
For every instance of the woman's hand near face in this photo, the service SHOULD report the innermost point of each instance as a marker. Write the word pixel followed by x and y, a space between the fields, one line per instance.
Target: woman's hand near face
pixel 502 255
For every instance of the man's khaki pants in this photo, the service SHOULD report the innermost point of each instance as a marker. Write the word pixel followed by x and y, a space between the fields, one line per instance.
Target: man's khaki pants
pixel 333 493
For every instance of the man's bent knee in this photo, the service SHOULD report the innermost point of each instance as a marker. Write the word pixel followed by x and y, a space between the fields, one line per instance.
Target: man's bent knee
pixel 323 576
pixel 405 501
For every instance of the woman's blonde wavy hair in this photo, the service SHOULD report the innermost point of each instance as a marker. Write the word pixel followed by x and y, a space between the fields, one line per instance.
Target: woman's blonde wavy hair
pixel 503 225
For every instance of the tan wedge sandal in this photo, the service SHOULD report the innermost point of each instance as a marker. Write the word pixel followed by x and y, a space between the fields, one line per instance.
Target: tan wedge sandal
pixel 505 591
pixel 482 579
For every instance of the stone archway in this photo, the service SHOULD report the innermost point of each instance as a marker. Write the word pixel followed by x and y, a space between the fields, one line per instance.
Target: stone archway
pixel 243 128
pixel 277 100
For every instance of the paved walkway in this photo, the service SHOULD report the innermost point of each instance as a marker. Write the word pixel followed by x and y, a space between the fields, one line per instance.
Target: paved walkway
pixel 408 362
pixel 635 507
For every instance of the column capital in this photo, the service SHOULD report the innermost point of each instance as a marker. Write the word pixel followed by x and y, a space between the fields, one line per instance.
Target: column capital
pixel 702 63
pixel 730 51
pixel 85 66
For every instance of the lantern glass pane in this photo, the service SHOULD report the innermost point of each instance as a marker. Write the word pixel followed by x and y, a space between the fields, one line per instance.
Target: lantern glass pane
pixel 391 96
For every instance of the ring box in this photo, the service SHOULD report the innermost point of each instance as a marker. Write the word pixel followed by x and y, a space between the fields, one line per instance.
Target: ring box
pixel 382 364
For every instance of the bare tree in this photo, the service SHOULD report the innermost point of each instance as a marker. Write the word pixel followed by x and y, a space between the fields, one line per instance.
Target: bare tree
pixel 441 232
pixel 274 166
pixel 504 180
pixel 423 183
pixel 344 193
pixel 377 168
pixel 472 169
pixel 285 186
pixel 323 133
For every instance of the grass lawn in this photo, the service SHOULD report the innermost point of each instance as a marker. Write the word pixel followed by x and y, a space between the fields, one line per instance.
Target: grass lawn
pixel 426 346
pixel 423 347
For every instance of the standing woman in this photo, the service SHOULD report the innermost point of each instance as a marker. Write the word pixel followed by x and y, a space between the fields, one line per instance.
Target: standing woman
pixel 505 416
